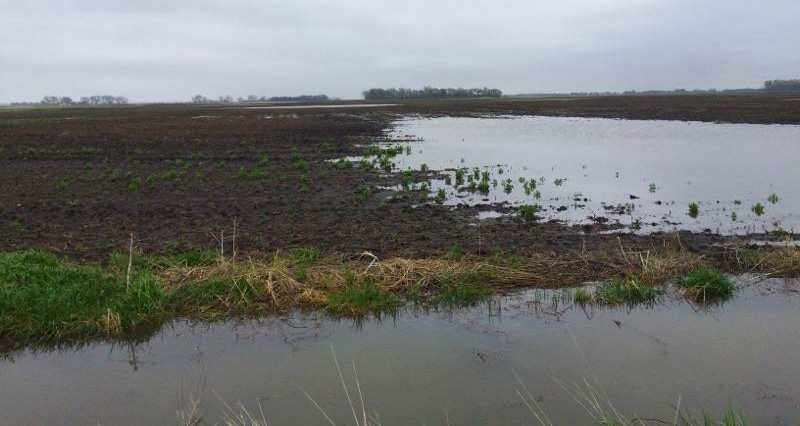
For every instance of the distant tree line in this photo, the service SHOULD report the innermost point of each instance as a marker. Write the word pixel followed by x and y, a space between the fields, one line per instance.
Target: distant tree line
pixel 638 93
pixel 83 101
pixel 782 86
pixel 301 98
pixel 200 99
pixel 431 93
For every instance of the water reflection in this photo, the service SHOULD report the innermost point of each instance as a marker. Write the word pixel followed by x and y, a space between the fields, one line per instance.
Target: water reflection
pixel 419 364
pixel 643 174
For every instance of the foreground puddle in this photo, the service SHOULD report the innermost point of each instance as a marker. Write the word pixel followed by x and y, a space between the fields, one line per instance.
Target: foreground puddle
pixel 642 174
pixel 426 367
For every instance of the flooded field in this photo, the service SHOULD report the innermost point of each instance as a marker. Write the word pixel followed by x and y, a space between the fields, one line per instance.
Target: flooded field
pixel 437 368
pixel 646 175
pixel 304 106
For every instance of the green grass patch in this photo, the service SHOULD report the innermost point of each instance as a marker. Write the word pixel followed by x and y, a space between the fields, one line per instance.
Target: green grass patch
pixel 301 259
pixel 455 252
pixel 464 289
pixel 705 284
pixel 143 299
pixel 19 122
pixel 43 298
pixel 359 299
pixel 255 173
pixel 529 212
pixel 205 293
pixel 618 292
pixel 304 255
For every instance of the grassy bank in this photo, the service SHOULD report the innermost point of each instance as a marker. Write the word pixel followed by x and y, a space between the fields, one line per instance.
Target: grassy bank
pixel 45 299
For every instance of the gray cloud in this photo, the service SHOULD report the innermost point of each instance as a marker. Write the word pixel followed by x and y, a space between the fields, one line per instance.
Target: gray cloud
pixel 171 49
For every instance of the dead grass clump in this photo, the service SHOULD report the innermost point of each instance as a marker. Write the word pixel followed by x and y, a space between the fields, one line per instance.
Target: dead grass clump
pixel 783 261
pixel 238 286
pixel 312 298
pixel 111 322
pixel 654 268
pixel 286 281
pixel 544 269
pixel 404 275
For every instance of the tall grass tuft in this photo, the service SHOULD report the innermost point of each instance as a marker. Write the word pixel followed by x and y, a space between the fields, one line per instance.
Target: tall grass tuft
pixel 360 298
pixel 704 284
pixel 616 292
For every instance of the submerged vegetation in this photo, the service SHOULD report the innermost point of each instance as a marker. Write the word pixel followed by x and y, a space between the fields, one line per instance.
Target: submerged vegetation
pixel 589 396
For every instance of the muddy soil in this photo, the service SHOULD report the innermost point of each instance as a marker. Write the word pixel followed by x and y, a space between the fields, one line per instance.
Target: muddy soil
pixel 78 181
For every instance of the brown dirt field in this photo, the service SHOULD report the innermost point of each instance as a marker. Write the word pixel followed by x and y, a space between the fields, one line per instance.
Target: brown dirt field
pixel 75 180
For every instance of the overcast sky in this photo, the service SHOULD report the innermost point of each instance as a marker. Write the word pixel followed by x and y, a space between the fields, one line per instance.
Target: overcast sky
pixel 163 50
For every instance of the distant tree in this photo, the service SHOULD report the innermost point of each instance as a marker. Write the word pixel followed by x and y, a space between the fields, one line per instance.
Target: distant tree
pixel 84 100
pixel 301 98
pixel 199 99
pixel 49 100
pixel 782 86
pixel 430 93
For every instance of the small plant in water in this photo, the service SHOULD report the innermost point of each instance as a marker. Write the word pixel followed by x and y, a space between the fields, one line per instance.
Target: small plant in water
pixel 508 186
pixel 733 216
pixel 344 163
pixel 773 198
pixel 758 209
pixel 529 211
pixel 582 296
pixel 461 289
pixel 406 180
pixel 559 181
pixel 653 188
pixel 358 299
pixel 694 210
pixel 441 195
pixel 625 291
pixel 459 177
pixel 705 284
pixel 366 164
pixel 483 187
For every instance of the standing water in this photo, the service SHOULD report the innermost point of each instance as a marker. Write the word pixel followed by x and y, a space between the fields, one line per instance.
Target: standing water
pixel 437 368
pixel 643 174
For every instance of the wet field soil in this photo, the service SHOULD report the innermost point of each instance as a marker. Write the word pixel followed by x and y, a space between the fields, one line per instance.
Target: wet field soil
pixel 78 181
